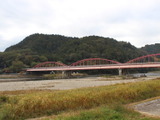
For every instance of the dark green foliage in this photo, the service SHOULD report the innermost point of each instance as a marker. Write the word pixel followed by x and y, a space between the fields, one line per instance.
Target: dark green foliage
pixel 3 99
pixel 17 66
pixel 151 49
pixel 15 61
pixel 68 49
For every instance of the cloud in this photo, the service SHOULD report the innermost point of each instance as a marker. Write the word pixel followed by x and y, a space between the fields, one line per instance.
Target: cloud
pixel 133 21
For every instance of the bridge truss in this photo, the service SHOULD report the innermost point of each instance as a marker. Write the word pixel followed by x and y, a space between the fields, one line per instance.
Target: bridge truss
pixel 153 58
pixel 148 61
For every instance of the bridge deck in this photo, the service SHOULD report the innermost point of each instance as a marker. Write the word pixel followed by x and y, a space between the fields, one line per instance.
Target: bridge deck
pixel 95 67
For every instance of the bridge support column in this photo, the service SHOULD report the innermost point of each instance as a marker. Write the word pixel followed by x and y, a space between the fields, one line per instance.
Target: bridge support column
pixel 66 74
pixel 63 74
pixel 120 71
pixel 69 74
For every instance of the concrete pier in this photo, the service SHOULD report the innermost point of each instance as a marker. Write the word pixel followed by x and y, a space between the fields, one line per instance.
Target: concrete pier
pixel 120 71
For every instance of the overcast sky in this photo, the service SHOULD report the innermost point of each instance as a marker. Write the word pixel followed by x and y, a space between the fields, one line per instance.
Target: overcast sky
pixel 134 21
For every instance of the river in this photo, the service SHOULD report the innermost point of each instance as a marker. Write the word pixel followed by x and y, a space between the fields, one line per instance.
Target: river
pixel 155 73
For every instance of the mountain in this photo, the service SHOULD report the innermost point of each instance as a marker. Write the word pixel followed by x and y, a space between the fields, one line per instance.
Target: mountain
pixel 69 49
pixel 40 47
pixel 40 43
pixel 151 49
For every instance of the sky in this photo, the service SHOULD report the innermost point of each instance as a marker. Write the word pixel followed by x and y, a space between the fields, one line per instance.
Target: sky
pixel 134 21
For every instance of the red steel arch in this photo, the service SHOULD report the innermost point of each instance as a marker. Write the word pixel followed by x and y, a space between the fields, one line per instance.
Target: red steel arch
pixel 147 58
pixel 94 61
pixel 49 64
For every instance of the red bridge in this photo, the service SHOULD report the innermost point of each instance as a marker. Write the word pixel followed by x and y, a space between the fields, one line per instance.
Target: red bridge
pixel 148 61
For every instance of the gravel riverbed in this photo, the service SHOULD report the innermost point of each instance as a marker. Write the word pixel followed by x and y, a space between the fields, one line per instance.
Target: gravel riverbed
pixel 62 84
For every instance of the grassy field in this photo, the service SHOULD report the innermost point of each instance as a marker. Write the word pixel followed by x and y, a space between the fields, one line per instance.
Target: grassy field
pixel 114 112
pixel 95 103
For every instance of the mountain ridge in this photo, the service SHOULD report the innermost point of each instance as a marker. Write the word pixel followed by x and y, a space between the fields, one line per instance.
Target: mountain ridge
pixel 89 46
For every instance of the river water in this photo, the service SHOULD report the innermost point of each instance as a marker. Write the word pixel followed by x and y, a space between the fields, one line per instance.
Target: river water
pixel 155 73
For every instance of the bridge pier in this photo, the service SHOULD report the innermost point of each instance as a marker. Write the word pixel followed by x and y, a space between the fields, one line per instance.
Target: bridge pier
pixel 120 71
pixel 63 74
pixel 66 74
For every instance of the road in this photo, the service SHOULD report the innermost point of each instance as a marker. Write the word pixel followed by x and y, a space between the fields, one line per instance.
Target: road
pixel 149 108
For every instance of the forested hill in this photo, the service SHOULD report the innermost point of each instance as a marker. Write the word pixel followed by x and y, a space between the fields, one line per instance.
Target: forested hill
pixel 152 49
pixel 40 43
pixel 39 48
pixel 69 49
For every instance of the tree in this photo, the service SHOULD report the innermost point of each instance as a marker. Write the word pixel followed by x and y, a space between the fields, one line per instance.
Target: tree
pixel 17 66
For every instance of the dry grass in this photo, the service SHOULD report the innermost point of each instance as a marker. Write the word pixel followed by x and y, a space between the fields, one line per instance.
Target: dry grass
pixel 20 92
pixel 40 103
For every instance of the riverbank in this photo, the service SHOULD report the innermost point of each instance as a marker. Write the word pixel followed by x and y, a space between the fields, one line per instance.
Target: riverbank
pixel 113 98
